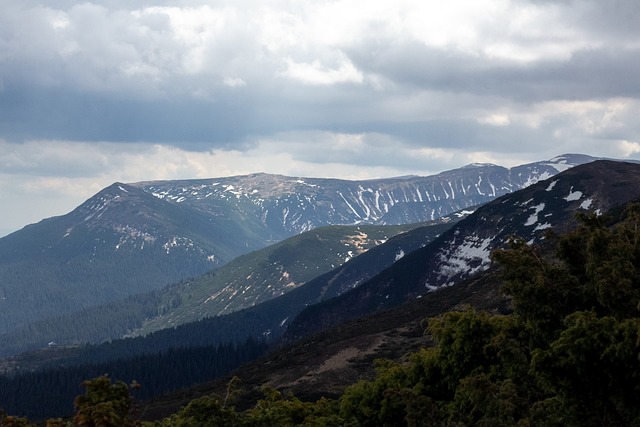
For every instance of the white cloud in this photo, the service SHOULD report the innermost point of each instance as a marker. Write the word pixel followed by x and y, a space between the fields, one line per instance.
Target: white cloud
pixel 628 148
pixel 495 120
pixel 317 74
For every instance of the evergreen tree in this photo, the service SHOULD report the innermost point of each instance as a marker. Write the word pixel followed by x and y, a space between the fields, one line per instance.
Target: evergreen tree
pixel 104 404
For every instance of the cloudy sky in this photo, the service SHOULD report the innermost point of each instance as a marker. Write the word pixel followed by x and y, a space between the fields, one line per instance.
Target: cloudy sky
pixel 97 92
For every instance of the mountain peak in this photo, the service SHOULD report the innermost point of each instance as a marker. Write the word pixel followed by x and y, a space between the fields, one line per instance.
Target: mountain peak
pixel 116 193
pixel 479 165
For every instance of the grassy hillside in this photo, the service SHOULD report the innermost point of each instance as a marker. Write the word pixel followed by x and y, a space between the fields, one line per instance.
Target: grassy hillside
pixel 268 273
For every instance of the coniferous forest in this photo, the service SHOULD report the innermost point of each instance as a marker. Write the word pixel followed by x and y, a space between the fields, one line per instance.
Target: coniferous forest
pixel 566 356
pixel 50 392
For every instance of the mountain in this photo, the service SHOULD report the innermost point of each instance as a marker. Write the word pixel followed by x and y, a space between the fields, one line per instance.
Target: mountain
pixel 271 317
pixel 64 365
pixel 120 242
pixel 248 282
pixel 251 279
pixel 322 361
pixel 598 187
pixel 413 257
pixel 288 206
pixel 464 250
pixel 134 238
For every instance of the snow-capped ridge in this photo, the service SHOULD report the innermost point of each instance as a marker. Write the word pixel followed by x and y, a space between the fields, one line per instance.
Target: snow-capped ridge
pixel 296 204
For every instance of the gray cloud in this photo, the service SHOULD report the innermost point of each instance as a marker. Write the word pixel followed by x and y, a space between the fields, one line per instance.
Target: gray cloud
pixel 222 76
pixel 309 88
pixel 586 74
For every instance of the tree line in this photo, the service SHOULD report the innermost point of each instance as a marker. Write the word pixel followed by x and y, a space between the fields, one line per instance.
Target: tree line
pixel 49 393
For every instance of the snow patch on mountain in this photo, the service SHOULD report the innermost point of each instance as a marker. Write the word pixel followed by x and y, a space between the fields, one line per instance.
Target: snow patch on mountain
pixel 586 204
pixel 553 184
pixel 573 195
pixel 567 161
pixel 349 256
pixel 99 206
pixel 561 165
pixel 533 219
pixel 468 257
pixel 533 179
pixel 178 242
pixel 133 236
pixel 542 226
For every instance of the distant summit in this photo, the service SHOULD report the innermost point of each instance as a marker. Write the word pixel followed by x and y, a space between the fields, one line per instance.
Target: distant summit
pixel 479 165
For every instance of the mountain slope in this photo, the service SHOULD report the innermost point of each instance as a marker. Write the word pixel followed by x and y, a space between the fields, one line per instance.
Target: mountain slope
pixel 265 274
pixel 244 282
pixel 118 243
pixel 464 250
pixel 324 364
pixel 185 301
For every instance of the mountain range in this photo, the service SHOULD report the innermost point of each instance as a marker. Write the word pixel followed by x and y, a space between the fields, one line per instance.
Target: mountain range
pixel 134 238
pixel 333 344
pixel 246 283
pixel 465 249
pixel 445 271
